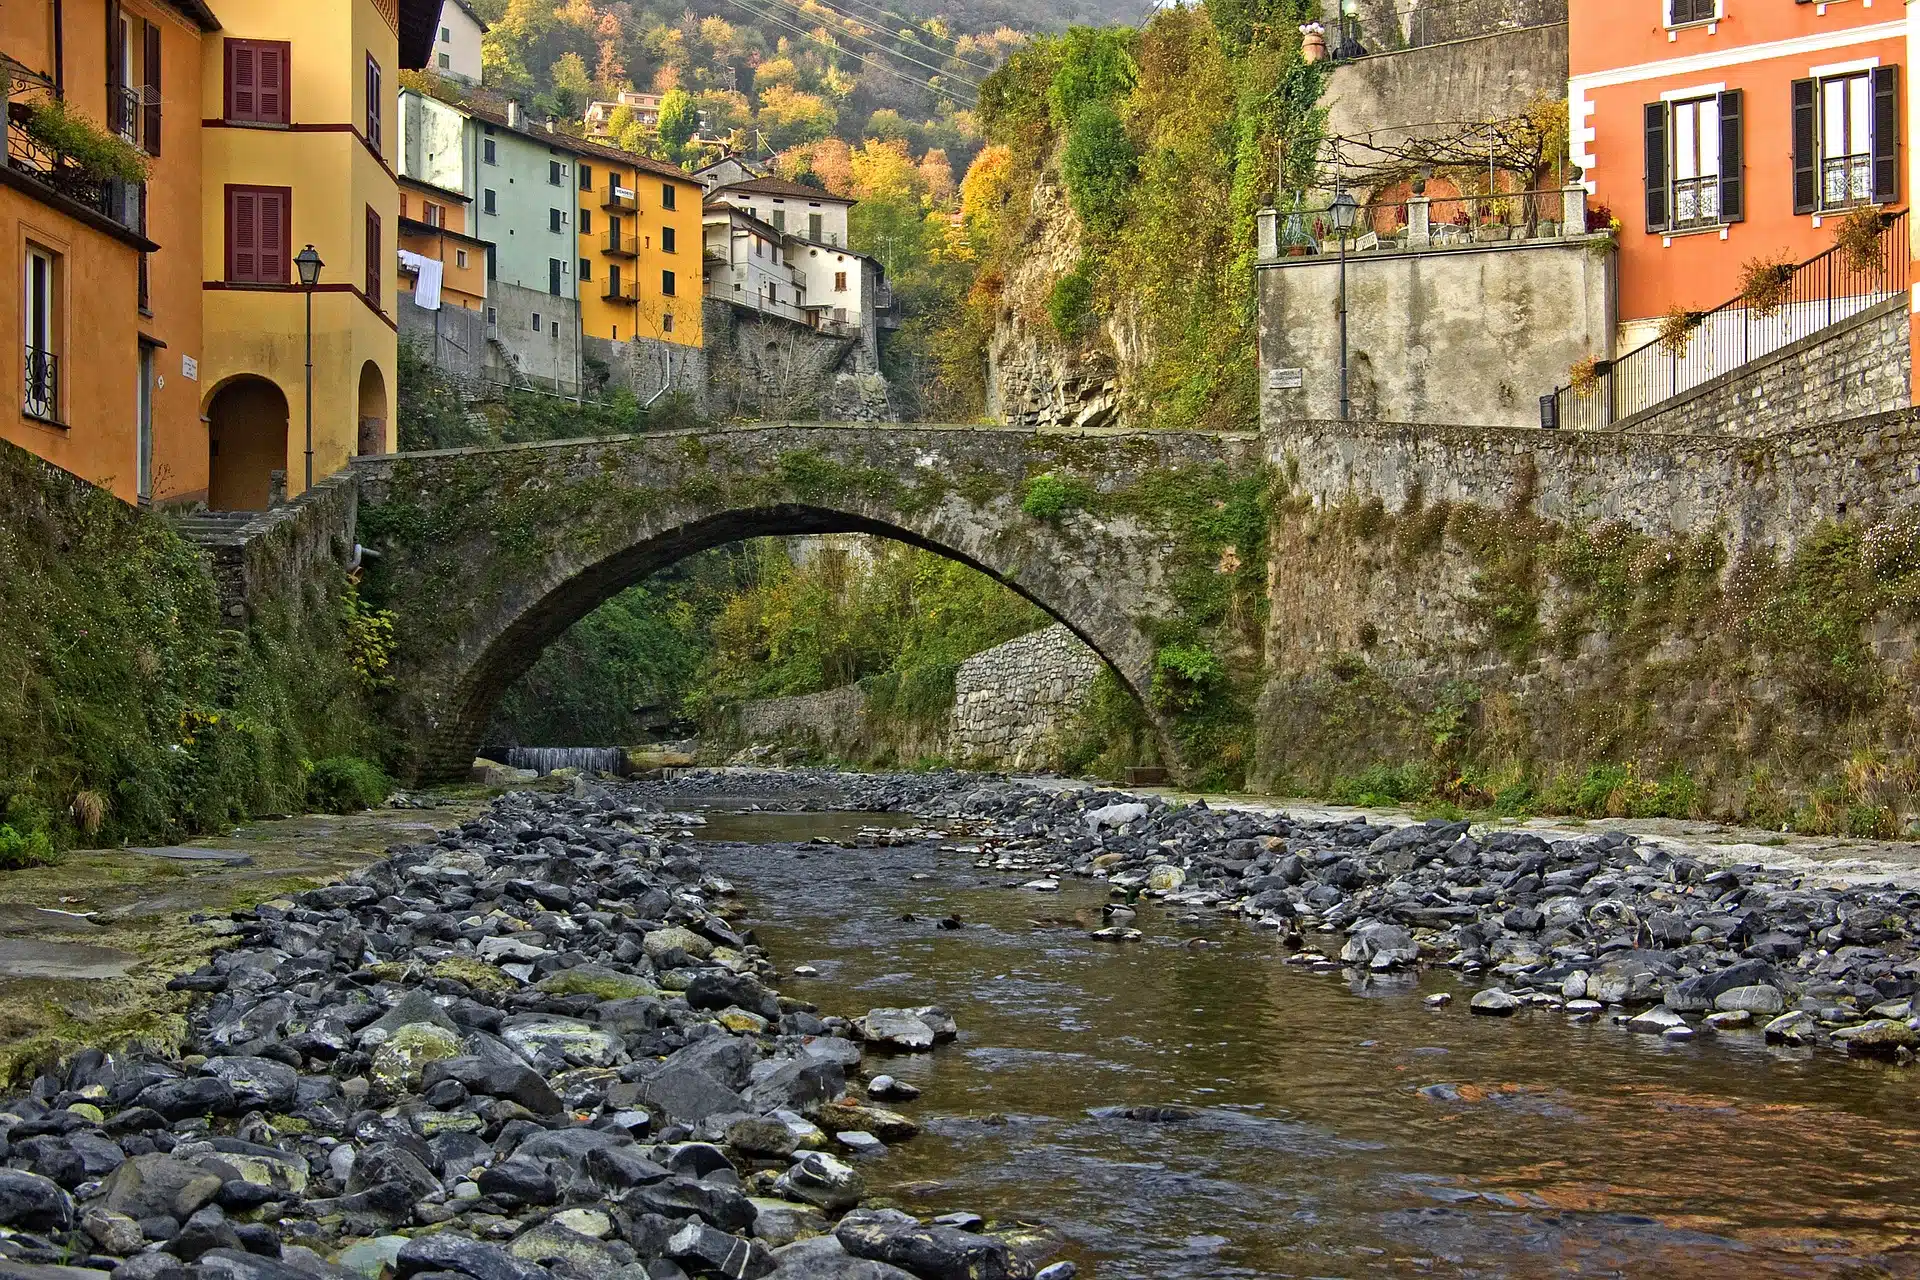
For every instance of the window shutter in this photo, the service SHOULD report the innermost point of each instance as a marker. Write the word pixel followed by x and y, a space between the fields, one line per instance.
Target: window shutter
pixel 1886 134
pixel 150 127
pixel 1806 184
pixel 1733 160
pixel 373 105
pixel 243 99
pixel 271 60
pixel 243 237
pixel 275 228
pixel 373 256
pixel 1657 117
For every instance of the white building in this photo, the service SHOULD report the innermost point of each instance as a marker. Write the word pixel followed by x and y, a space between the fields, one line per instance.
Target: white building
pixel 746 265
pixel 644 106
pixel 456 45
pixel 807 213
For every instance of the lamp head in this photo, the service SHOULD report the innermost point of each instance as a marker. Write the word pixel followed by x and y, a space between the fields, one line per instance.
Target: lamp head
pixel 1349 8
pixel 1345 209
pixel 309 263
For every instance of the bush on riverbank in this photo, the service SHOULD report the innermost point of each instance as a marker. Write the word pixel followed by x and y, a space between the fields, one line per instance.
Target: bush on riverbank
pixel 346 784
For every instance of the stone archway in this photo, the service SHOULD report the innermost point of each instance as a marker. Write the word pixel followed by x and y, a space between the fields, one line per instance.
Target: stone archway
pixel 372 437
pixel 246 443
pixel 487 556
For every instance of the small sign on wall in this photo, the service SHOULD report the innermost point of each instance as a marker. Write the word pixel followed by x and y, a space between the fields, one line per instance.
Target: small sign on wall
pixel 1286 379
pixel 189 368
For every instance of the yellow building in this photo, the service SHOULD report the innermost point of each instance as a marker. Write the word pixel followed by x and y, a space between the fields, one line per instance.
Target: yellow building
pixel 639 227
pixel 298 142
pixel 436 223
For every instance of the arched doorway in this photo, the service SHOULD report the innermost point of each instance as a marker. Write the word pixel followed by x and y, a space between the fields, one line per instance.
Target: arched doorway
pixel 373 411
pixel 247 440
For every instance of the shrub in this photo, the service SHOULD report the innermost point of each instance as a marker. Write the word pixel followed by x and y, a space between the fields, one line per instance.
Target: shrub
pixel 24 849
pixel 345 784
pixel 1766 282
pixel 1183 676
pixel 1099 168
pixel 67 133
pixel 1070 305
pixel 1095 66
pixel 1048 497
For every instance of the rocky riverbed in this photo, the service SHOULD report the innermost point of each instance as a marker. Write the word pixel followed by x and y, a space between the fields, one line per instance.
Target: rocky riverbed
pixel 534 1047
pixel 1601 925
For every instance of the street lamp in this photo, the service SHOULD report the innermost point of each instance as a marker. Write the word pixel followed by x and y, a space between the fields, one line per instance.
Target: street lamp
pixel 1349 24
pixel 1345 209
pixel 309 263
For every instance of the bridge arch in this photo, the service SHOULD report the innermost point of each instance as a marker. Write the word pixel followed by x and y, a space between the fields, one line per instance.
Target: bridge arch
pixel 489 555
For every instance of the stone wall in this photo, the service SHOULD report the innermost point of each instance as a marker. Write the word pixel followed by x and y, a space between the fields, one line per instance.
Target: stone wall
pixel 454 339
pixel 549 357
pixel 1474 334
pixel 1401 93
pixel 1505 602
pixel 1013 702
pixel 834 722
pixel 764 366
pixel 646 367
pixel 1860 366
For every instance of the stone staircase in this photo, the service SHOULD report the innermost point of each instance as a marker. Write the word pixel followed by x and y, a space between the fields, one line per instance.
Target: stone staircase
pixel 215 528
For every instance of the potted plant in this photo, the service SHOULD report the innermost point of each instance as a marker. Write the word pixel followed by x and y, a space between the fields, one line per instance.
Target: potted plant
pixel 1584 376
pixel 1766 282
pixel 1858 238
pixel 79 142
pixel 1676 328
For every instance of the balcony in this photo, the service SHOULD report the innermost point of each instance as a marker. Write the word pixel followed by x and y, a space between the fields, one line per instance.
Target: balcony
pixel 102 193
pixel 626 291
pixel 618 199
pixel 620 246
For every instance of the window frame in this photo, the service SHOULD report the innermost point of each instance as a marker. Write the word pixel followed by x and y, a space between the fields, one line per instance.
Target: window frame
pixel 489 151
pixel 1823 158
pixel 230 90
pixel 375 118
pixel 487 204
pixel 669 240
pixel 1703 183
pixel 667 196
pixel 45 408
pixel 1671 19
pixel 669 284
pixel 375 253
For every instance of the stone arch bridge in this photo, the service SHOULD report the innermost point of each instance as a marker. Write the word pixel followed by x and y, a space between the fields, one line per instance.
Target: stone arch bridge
pixel 488 555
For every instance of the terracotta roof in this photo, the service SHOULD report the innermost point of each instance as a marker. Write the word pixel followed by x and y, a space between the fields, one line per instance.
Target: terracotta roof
pixel 781 187
pixel 482 106
pixel 614 155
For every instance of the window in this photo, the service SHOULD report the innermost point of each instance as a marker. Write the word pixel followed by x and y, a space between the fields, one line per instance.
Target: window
pixel 373 106
pixel 586 177
pixel 1696 171
pixel 150 96
pixel 536 322
pixel 666 323
pixel 1845 137
pixel 430 213
pixel 554 270
pixel 42 383
pixel 1681 12
pixel 446 62
pixel 839 282
pixel 586 222
pixel 553 220
pixel 666 195
pixel 555 173
pixel 814 227
pixel 460 258
pixel 446 36
pixel 256 88
pixel 258 234
pixel 779 219
pixel 493 315
pixel 374 260
pixel 586 270
pixel 668 240
pixel 666 283
pixel 486 201
pixel 489 151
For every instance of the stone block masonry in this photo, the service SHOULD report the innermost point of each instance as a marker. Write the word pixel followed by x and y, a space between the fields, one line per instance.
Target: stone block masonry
pixel 1012 703
pixel 1860 366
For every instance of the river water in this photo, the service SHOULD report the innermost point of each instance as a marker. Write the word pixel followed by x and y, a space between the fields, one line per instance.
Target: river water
pixel 1348 1129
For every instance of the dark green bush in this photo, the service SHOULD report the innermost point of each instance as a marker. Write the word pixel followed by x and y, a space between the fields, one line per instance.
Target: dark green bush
pixel 346 784
pixel 1099 167
pixel 24 849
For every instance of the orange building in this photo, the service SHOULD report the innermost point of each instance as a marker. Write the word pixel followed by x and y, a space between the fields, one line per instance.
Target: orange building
pixel 1721 131
pixel 102 324
pixel 435 223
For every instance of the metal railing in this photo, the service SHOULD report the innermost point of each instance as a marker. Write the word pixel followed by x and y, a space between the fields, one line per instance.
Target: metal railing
pixel 1413 24
pixel 617 197
pixel 1822 291
pixel 1434 222
pixel 125 109
pixel 620 291
pixel 620 246
pixel 26 154
pixel 42 399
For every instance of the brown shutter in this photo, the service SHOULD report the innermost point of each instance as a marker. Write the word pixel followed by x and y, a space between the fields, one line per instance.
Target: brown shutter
pixel 1733 157
pixel 276 255
pixel 243 236
pixel 373 105
pixel 1806 178
pixel 373 256
pixel 1886 134
pixel 243 101
pixel 1656 117
pixel 272 60
pixel 150 127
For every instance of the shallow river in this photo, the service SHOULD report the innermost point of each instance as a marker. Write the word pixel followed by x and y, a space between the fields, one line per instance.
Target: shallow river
pixel 1349 1129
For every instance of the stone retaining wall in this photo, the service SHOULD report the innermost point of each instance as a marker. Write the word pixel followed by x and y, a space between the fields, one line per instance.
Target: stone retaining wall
pixel 1014 701
pixel 1860 366
pixel 834 722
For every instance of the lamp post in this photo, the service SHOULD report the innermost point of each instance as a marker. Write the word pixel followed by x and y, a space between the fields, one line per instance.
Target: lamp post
pixel 309 263
pixel 1345 208
pixel 1349 23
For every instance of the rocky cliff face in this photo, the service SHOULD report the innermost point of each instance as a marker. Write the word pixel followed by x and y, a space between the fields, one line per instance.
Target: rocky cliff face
pixel 1034 377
